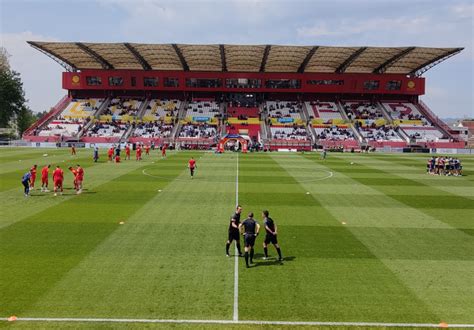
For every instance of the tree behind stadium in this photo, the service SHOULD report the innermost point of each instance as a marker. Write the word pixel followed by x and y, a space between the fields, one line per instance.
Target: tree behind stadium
pixel 12 97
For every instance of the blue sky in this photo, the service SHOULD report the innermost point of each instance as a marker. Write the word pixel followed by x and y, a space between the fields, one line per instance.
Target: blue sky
pixel 340 23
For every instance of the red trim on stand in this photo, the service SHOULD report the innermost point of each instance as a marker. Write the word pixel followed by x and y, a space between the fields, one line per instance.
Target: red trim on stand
pixel 353 83
pixel 100 139
pixel 57 109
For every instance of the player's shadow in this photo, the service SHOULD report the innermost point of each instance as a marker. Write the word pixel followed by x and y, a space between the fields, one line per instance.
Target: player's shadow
pixel 271 261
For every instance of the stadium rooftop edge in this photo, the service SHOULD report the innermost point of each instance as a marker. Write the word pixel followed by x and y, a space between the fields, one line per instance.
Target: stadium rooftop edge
pixel 74 56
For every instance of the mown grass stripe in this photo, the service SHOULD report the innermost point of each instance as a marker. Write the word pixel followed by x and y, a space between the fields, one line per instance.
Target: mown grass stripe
pixel 327 270
pixel 25 163
pixel 430 205
pixel 13 201
pixel 421 257
pixel 39 250
pixel 439 183
pixel 165 261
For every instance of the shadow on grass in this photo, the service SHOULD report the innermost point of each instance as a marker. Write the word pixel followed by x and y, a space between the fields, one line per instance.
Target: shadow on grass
pixel 271 261
pixel 66 193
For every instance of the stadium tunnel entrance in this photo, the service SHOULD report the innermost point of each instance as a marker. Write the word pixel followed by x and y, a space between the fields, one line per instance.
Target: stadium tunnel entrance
pixel 233 141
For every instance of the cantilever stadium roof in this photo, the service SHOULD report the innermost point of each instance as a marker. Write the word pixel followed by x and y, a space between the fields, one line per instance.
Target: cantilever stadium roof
pixel 245 58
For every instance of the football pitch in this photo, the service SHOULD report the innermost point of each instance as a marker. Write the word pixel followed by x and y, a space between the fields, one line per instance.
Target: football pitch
pixel 367 240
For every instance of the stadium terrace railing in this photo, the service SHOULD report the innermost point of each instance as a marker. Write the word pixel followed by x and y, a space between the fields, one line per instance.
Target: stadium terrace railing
pixel 60 106
pixel 96 116
pixel 425 110
pixel 143 108
pixel 384 112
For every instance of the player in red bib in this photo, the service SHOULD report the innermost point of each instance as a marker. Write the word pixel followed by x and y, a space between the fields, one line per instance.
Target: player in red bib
pixel 147 150
pixel 127 152
pixel 79 178
pixel 110 153
pixel 192 166
pixel 44 178
pixel 163 151
pixel 33 177
pixel 138 153
pixel 74 174
pixel 58 177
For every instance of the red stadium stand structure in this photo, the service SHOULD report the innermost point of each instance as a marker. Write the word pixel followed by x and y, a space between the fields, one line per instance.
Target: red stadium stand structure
pixel 277 97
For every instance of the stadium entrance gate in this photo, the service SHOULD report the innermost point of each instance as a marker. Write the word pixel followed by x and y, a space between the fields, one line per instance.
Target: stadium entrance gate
pixel 236 138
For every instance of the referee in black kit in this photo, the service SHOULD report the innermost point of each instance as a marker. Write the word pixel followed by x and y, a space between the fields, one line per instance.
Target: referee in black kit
pixel 249 228
pixel 234 234
pixel 271 235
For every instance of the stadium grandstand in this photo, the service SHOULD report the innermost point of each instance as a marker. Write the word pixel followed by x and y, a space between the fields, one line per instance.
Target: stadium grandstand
pixel 274 96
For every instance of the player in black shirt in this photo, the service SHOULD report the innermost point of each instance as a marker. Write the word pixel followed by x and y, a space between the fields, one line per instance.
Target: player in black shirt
pixel 234 234
pixel 249 228
pixel 271 235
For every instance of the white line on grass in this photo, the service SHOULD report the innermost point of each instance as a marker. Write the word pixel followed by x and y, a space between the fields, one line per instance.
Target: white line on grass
pixel 253 322
pixel 236 262
pixel 162 177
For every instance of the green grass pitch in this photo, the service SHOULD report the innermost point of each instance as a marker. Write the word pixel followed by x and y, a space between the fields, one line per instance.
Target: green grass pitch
pixel 376 241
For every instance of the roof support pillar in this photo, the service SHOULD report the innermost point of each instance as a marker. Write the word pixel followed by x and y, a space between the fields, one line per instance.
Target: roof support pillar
pixel 181 57
pixel 106 65
pixel 350 59
pixel 264 58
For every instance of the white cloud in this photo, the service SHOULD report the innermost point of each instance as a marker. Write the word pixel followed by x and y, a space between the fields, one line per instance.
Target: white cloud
pixel 351 27
pixel 40 75
pixel 464 10
pixel 201 21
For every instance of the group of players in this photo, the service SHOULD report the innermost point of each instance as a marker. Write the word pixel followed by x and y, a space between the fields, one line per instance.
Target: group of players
pixel 444 166
pixel 114 152
pixel 250 228
pixel 29 178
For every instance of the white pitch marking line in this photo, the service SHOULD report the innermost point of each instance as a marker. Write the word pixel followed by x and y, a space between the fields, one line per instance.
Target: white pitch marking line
pixel 236 262
pixel 253 322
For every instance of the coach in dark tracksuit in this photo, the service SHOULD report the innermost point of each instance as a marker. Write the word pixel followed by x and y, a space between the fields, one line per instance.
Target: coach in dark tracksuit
pixel 249 228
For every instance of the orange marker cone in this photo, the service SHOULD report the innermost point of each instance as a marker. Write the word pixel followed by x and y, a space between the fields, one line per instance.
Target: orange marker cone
pixel 443 325
pixel 12 318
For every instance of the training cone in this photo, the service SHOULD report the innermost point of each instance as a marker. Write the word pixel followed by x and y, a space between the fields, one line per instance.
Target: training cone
pixel 12 318
pixel 121 222
pixel 443 325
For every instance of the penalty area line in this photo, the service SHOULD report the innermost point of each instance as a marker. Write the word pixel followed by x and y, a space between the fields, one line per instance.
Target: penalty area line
pixel 250 322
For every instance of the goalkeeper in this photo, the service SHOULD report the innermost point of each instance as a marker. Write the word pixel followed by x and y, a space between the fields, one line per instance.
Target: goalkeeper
pixel 249 228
